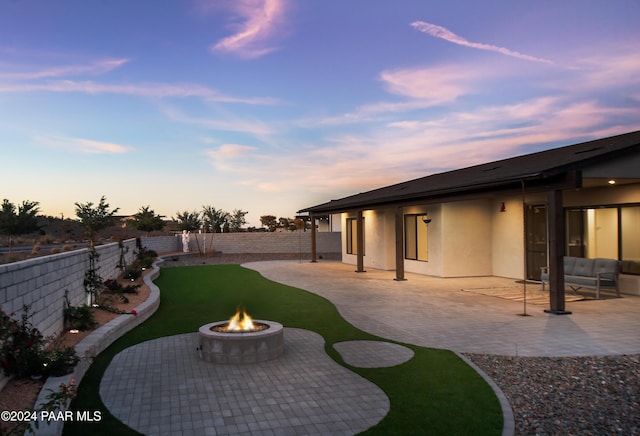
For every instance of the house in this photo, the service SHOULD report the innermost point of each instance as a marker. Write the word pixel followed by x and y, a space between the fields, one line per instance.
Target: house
pixel 506 218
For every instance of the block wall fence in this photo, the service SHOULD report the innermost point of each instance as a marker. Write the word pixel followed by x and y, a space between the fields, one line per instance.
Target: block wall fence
pixel 42 282
pixel 265 242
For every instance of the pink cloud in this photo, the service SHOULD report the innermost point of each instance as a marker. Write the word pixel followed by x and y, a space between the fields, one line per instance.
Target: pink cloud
pixel 443 33
pixel 261 22
pixel 82 145
pixel 93 68
pixel 151 90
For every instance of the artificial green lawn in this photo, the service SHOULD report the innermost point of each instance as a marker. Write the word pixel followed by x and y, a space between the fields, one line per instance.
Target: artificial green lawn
pixel 433 393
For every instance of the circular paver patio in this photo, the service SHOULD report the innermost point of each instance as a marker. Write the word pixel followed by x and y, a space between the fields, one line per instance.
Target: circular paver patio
pixel 373 354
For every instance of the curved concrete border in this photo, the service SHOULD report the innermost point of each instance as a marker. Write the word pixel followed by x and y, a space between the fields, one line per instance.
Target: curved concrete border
pixel 96 342
pixel 509 422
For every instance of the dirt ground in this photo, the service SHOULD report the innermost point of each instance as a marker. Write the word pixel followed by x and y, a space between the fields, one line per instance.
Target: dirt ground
pixel 21 394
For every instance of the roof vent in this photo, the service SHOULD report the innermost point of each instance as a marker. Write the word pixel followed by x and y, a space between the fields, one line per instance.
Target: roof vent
pixel 492 168
pixel 589 150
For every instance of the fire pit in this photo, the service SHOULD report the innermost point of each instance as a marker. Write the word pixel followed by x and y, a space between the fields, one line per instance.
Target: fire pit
pixel 241 340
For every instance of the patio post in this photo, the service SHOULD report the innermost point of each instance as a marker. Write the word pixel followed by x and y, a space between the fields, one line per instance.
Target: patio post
pixel 313 238
pixel 399 245
pixel 360 242
pixel 555 218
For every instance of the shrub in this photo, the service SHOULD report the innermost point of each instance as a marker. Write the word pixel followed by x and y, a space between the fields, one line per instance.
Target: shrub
pixel 55 250
pixel 79 318
pixel 146 262
pixel 61 361
pixel 132 272
pixel 115 286
pixel 23 352
pixel 35 249
pixel 67 247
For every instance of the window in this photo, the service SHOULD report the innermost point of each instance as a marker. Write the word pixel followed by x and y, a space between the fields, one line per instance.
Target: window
pixel 609 232
pixel 352 235
pixel 416 237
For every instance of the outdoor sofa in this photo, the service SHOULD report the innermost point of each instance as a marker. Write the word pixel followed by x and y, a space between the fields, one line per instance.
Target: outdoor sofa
pixel 588 273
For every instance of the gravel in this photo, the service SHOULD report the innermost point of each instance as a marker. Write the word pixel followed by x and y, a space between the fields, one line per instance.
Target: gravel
pixel 596 395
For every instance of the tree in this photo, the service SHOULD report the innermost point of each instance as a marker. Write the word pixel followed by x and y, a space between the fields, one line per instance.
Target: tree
pixel 25 221
pixel 188 221
pixel 95 219
pixel 8 219
pixel 146 220
pixel 286 223
pixel 270 222
pixel 216 218
pixel 237 220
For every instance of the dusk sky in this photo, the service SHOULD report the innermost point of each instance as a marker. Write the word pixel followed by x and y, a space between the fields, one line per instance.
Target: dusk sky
pixel 271 106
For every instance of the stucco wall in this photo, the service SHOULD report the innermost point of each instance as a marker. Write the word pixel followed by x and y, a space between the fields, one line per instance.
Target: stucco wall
pixel 618 194
pixel 507 238
pixel 466 236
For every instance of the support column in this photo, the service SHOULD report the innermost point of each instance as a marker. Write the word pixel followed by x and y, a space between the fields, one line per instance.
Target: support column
pixel 360 242
pixel 556 224
pixel 399 245
pixel 313 238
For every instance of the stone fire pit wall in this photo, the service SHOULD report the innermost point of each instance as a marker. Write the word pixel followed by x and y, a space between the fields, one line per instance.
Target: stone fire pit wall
pixel 241 347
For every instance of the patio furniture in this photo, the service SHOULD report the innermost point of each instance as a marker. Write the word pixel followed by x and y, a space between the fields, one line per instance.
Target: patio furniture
pixel 588 273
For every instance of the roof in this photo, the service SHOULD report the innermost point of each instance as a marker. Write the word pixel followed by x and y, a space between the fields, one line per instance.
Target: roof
pixel 531 168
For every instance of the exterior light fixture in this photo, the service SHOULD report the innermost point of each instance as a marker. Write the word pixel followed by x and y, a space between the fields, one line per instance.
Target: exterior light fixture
pixel 503 207
pixel 611 182
pixel 426 219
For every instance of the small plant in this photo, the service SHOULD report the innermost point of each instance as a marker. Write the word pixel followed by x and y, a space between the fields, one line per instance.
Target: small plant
pixel 55 401
pixel 92 280
pixel 79 318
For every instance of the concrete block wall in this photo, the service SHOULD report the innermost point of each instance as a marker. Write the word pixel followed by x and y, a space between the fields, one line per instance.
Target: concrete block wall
pixel 42 282
pixel 162 244
pixel 266 242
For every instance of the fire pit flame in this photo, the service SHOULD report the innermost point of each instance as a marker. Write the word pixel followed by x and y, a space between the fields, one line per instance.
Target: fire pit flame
pixel 241 322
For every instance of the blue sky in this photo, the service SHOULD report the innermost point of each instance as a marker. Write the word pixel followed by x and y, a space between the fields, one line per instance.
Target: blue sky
pixel 271 106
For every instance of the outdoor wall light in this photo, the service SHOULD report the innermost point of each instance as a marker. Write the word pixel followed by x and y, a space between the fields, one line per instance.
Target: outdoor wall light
pixel 503 207
pixel 611 182
pixel 426 219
